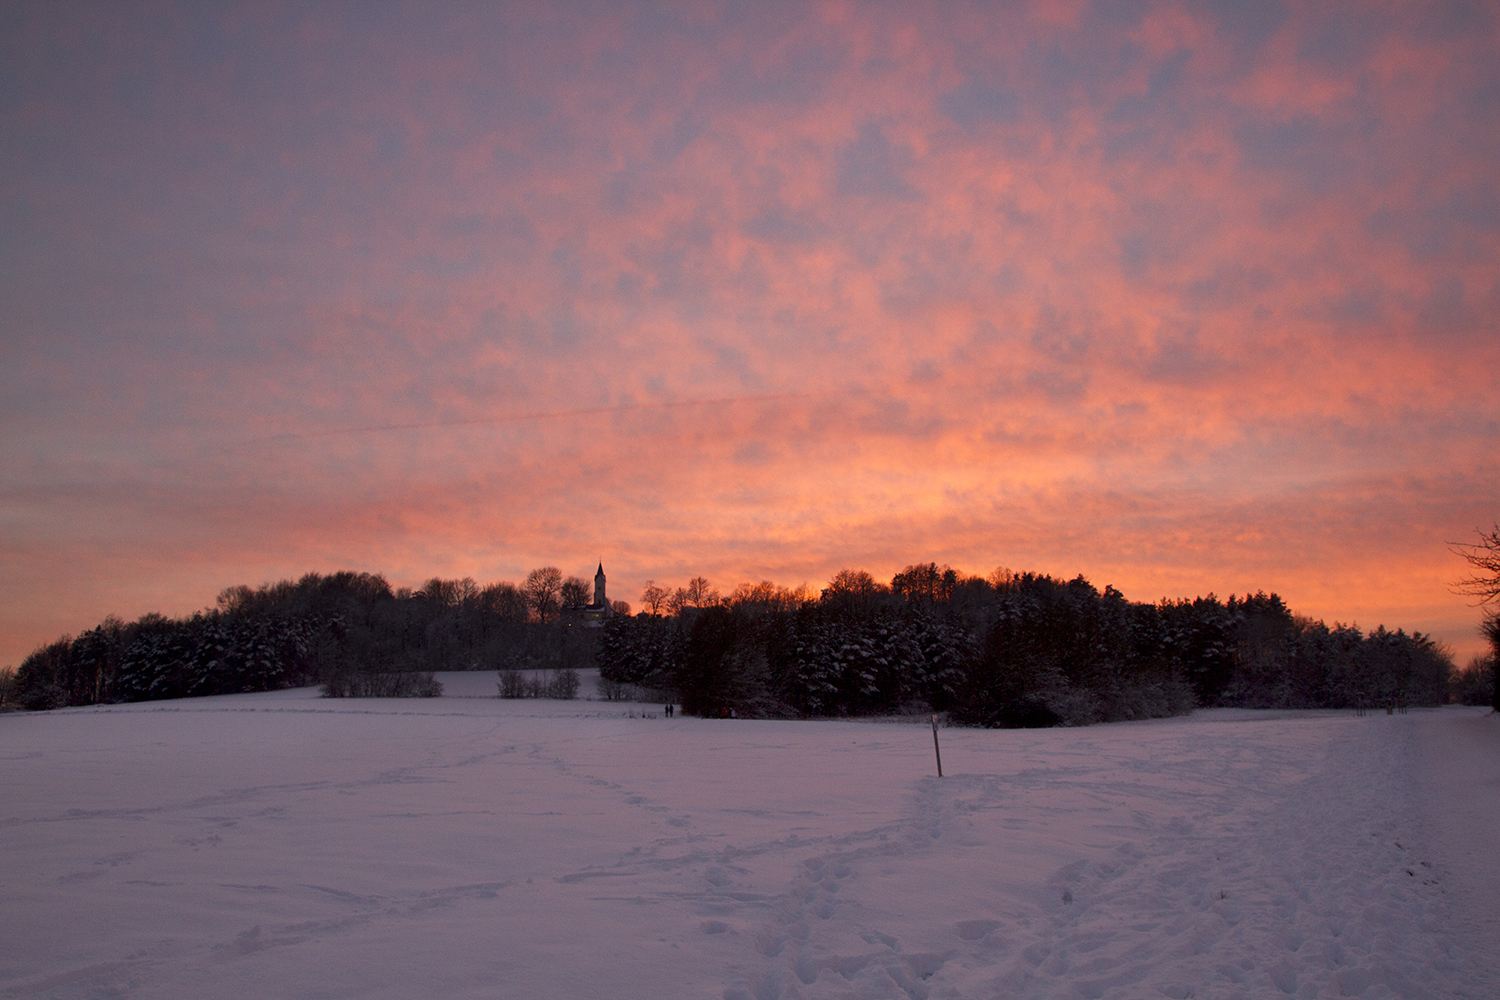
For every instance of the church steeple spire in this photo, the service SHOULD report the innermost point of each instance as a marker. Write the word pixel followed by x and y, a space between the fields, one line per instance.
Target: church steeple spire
pixel 599 599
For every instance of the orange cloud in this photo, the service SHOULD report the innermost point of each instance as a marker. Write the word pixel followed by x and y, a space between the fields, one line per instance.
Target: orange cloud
pixel 1181 301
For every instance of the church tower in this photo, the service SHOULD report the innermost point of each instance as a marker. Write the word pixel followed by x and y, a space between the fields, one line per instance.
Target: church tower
pixel 590 615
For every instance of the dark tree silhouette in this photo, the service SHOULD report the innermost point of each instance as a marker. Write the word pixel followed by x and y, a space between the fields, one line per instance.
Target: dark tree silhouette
pixel 1492 632
pixel 1484 557
pixel 575 592
pixel 1013 650
pixel 853 588
pixel 654 597
pixel 543 590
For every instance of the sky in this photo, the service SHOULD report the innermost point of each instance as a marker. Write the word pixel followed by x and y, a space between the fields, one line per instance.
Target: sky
pixel 1184 297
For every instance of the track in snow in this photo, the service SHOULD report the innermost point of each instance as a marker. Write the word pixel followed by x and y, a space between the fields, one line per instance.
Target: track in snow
pixel 471 847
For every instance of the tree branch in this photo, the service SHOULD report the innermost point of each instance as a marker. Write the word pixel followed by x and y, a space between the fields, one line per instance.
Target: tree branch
pixel 1485 557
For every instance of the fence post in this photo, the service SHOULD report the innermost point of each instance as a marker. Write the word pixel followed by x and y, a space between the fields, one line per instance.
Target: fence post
pixel 936 751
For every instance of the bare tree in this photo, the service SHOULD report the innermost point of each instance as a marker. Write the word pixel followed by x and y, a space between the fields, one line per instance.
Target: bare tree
pixel 767 596
pixel 505 601
pixel 233 600
pixel 920 583
pixel 654 597
pixel 575 592
pixel 1484 557
pixel 542 588
pixel 853 587
pixel 700 594
pixel 1491 628
pixel 440 591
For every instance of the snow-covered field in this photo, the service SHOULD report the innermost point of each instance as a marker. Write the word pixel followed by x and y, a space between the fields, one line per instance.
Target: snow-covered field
pixel 282 845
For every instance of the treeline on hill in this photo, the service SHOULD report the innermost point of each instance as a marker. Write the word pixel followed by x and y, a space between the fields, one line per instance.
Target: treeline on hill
pixel 350 632
pixel 1009 650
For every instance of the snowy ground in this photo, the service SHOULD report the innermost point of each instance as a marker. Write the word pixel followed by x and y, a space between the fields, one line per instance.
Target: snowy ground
pixel 284 845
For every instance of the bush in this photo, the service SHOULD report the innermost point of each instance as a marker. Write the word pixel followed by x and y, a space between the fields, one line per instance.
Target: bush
pixel 562 685
pixel 512 684
pixel 406 684
pixel 616 691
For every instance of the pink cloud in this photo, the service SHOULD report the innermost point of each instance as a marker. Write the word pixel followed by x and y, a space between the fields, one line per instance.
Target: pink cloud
pixel 1176 302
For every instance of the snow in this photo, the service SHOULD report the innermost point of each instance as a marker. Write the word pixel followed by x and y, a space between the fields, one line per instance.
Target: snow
pixel 287 845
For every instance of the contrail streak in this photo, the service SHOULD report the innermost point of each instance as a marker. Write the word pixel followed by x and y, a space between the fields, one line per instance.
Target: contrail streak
pixel 519 417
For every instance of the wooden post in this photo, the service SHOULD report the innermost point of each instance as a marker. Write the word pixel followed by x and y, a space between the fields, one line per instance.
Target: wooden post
pixel 935 749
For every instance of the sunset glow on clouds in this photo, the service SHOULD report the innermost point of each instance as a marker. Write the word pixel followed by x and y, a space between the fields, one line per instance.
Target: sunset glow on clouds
pixel 1185 298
